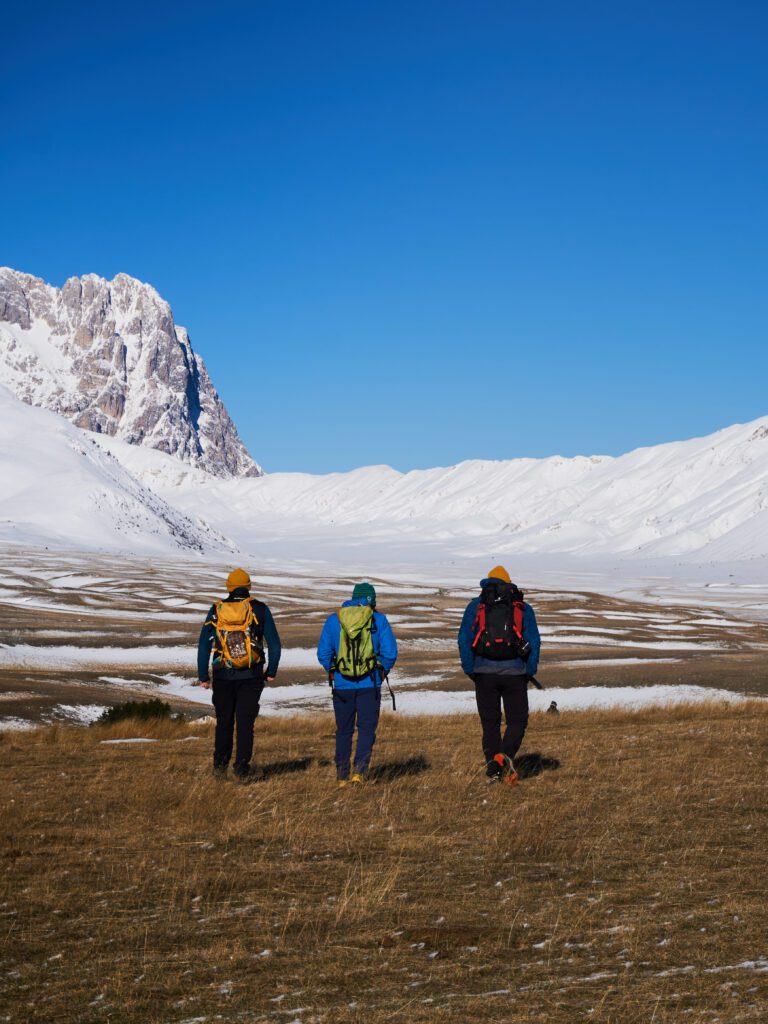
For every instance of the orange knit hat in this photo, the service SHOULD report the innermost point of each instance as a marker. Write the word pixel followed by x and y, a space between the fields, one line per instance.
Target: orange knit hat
pixel 238 578
pixel 499 573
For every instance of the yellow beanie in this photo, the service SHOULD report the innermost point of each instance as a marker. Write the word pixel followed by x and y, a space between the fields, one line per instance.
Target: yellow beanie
pixel 499 573
pixel 238 578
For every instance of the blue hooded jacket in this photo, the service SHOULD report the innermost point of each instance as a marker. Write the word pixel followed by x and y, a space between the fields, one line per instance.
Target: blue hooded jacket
pixel 472 663
pixel 384 646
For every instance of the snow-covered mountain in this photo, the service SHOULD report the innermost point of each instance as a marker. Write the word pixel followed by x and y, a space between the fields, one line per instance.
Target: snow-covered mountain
pixel 702 499
pixel 60 488
pixel 108 356
pixel 159 459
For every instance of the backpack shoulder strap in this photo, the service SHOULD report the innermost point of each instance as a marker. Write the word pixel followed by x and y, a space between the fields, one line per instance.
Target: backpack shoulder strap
pixel 478 626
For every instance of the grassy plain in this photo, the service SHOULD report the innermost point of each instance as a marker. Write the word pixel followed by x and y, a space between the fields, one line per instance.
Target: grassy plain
pixel 622 881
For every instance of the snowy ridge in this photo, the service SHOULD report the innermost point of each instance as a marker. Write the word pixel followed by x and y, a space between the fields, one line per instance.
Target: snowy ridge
pixel 109 357
pixel 158 458
pixel 705 498
pixel 61 489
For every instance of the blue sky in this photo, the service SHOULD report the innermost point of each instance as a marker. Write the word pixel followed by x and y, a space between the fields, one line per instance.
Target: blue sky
pixel 419 232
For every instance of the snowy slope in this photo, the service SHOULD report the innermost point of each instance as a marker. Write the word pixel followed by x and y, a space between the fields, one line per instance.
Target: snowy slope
pixel 706 498
pixel 109 357
pixel 59 488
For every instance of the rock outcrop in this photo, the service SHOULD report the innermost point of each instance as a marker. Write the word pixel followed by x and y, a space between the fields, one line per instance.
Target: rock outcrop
pixel 108 356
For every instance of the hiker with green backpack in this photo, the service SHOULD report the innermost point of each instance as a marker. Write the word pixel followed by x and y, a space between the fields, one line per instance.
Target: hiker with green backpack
pixel 357 649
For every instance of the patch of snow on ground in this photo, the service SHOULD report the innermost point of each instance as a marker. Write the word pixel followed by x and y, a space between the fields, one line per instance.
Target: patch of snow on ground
pixel 656 645
pixel 84 714
pixel 71 657
pixel 615 662
pixel 718 622
pixel 582 698
pixel 16 725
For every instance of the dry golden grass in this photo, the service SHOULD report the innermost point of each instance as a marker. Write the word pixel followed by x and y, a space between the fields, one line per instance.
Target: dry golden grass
pixel 625 886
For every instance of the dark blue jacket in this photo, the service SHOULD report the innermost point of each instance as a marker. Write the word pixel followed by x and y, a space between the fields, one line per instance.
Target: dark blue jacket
pixel 471 663
pixel 208 638
pixel 384 646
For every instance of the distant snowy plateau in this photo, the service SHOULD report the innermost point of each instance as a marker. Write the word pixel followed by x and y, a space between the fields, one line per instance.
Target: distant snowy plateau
pixel 114 439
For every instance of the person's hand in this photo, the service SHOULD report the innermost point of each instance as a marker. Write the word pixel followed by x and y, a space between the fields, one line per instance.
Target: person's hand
pixel 205 683
pixel 269 679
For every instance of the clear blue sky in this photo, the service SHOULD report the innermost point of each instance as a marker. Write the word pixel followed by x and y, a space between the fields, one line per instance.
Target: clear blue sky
pixel 414 232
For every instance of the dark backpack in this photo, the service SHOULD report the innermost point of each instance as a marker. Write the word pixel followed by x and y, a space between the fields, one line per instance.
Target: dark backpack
pixel 499 623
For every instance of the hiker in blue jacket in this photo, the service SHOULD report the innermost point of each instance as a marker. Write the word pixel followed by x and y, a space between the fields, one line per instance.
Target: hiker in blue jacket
pixel 499 647
pixel 357 648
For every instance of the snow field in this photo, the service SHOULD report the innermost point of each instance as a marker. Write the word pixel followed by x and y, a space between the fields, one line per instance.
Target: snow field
pixel 312 697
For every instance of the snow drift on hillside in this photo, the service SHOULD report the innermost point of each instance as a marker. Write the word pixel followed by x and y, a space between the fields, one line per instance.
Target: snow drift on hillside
pixel 61 489
pixel 706 498
pixel 109 357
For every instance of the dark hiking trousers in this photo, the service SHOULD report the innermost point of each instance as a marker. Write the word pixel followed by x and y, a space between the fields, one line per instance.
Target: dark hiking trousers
pixel 492 690
pixel 237 703
pixel 350 707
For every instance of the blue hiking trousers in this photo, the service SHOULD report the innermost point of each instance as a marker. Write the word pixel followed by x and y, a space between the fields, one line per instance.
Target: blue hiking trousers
pixel 361 708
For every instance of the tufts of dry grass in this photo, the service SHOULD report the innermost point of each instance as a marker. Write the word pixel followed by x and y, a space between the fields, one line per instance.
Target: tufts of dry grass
pixel 625 885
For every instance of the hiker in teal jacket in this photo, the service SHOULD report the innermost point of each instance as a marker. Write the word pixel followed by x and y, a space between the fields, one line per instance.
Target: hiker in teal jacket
pixel 358 649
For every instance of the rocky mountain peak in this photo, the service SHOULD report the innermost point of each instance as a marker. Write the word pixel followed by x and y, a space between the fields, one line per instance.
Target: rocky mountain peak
pixel 109 356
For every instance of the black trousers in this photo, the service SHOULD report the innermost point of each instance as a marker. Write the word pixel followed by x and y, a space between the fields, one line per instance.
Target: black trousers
pixel 237 703
pixel 493 690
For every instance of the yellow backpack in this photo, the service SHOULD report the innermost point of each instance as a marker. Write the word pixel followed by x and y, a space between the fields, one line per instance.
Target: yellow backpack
pixel 237 647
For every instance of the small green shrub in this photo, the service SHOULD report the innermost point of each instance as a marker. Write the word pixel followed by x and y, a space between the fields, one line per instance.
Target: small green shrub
pixel 140 710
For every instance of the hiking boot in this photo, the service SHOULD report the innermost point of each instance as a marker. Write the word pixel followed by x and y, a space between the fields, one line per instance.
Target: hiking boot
pixel 494 779
pixel 506 770
pixel 357 779
pixel 245 774
pixel 341 783
pixel 219 772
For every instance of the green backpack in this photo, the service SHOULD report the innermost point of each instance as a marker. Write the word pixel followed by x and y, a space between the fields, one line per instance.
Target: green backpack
pixel 356 657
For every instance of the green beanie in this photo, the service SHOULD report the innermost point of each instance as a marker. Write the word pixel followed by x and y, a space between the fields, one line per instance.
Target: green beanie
pixel 365 590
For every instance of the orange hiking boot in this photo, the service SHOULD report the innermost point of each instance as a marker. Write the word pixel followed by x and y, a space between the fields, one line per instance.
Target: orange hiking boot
pixel 357 779
pixel 507 770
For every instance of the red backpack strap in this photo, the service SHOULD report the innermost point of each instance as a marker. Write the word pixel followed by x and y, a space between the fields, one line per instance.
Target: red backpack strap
pixel 479 626
pixel 517 619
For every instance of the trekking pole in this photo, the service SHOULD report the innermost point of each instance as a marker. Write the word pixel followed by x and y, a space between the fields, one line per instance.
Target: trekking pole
pixel 385 679
pixel 535 681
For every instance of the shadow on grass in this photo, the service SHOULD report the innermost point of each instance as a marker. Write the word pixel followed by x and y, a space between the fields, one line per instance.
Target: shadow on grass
pixel 268 771
pixel 391 770
pixel 528 765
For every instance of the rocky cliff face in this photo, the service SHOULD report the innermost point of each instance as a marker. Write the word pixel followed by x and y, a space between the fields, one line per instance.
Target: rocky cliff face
pixel 109 357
